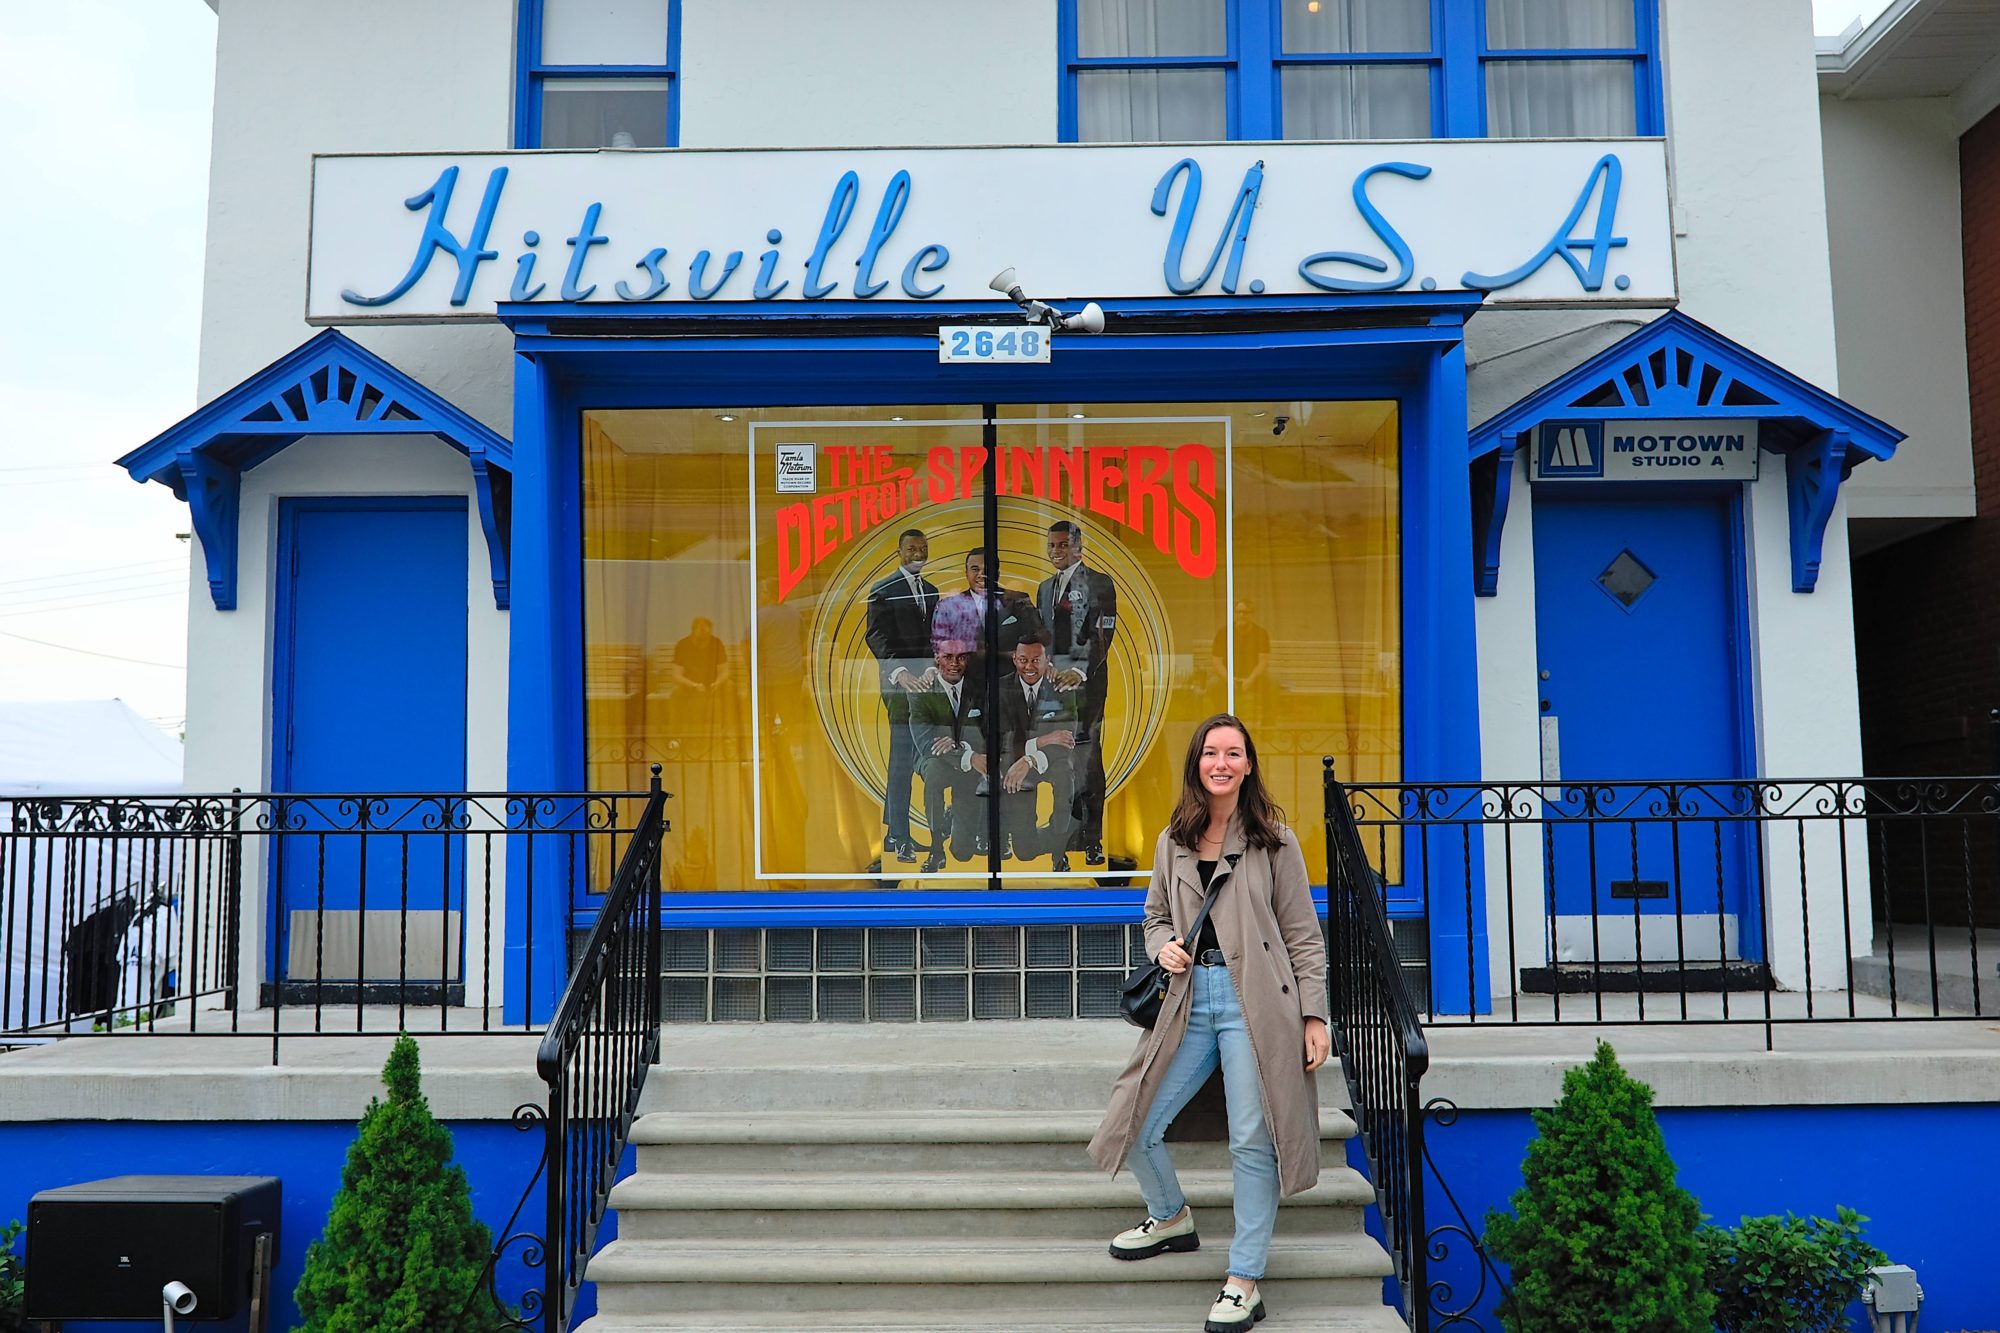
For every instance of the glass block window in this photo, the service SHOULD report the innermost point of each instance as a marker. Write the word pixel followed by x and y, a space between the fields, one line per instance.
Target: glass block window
pixel 597 73
pixel 1140 71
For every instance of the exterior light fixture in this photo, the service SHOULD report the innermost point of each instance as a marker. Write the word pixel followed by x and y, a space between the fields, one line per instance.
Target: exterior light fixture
pixel 1090 319
pixel 726 416
pixel 1076 416
pixel 1893 1298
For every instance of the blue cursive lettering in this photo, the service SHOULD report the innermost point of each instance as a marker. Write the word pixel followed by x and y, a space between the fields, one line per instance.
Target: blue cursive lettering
pixel 927 260
pixel 579 244
pixel 524 270
pixel 698 271
pixel 764 291
pixel 657 280
pixel 838 210
pixel 886 218
pixel 1235 228
pixel 470 253
pixel 1405 262
pixel 1600 243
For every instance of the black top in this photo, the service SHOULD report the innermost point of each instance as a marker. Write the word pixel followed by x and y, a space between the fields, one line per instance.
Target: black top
pixel 1206 940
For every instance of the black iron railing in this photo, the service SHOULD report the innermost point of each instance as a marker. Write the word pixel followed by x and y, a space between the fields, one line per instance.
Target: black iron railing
pixel 1768 902
pixel 282 915
pixel 1380 1040
pixel 594 1057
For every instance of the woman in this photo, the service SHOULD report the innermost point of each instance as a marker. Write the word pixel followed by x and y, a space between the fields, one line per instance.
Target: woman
pixel 1249 995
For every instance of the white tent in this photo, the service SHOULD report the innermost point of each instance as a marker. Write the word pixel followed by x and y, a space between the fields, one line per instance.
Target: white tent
pixel 84 747
pixel 57 890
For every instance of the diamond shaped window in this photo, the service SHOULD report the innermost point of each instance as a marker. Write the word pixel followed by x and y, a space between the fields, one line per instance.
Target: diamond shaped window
pixel 1626 579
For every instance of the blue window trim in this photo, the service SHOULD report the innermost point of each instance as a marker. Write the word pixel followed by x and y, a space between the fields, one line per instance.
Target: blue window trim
pixel 1420 363
pixel 1255 61
pixel 531 75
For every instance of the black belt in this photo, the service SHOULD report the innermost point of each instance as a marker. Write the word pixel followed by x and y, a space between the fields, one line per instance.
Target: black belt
pixel 1211 958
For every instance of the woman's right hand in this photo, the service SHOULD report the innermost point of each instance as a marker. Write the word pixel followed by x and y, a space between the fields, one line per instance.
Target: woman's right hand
pixel 1174 958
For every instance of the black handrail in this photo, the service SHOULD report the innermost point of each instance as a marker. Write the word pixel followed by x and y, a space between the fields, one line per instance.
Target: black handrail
pixel 594 1057
pixel 1383 1053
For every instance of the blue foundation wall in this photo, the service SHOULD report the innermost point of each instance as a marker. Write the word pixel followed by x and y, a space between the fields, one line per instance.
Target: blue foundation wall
pixel 306 1156
pixel 1926 1177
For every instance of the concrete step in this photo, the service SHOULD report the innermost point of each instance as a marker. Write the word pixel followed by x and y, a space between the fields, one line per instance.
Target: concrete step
pixel 704 1280
pixel 1020 1065
pixel 1297 1318
pixel 965 1140
pixel 796 1206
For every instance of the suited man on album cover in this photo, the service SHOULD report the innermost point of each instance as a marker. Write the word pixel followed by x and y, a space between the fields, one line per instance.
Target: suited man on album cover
pixel 961 617
pixel 898 632
pixel 1079 607
pixel 947 730
pixel 1039 729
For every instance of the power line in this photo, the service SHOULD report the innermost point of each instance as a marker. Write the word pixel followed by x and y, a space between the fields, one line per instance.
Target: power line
pixel 111 657
pixel 57 597
pixel 94 574
pixel 177 591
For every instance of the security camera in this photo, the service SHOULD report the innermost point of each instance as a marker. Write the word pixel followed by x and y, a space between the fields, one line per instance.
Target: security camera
pixel 1279 423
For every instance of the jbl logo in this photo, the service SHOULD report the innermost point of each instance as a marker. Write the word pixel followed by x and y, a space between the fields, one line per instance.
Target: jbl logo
pixel 1572 449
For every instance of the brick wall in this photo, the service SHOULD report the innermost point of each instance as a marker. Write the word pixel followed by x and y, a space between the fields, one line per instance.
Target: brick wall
pixel 1927 610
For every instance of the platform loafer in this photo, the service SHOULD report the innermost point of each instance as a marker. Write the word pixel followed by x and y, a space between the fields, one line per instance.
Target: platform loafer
pixel 1231 1312
pixel 1153 1236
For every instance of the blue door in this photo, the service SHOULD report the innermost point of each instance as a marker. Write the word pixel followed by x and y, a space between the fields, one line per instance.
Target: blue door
pixel 1639 616
pixel 369 697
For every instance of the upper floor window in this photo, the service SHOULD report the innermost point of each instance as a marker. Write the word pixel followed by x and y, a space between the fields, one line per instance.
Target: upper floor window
pixel 597 74
pixel 1137 71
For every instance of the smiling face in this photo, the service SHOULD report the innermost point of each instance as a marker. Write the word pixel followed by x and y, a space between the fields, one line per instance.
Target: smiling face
pixel 1029 658
pixel 914 550
pixel 1224 761
pixel 951 657
pixel 1064 550
pixel 975 571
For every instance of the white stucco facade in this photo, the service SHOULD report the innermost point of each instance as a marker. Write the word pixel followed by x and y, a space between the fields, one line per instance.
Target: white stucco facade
pixel 1757 256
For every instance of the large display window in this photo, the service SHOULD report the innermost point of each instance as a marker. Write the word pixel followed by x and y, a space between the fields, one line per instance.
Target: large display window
pixel 938 646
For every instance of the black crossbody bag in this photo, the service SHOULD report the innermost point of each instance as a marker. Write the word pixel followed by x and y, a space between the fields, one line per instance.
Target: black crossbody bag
pixel 1146 988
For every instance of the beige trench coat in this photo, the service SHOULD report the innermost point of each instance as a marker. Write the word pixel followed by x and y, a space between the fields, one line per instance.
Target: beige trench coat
pixel 1267 928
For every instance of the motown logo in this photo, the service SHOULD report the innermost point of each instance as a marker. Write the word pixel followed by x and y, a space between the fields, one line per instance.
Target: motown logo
pixel 1162 493
pixel 1572 449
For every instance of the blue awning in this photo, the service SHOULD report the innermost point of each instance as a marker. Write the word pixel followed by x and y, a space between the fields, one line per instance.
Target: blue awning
pixel 327 385
pixel 1679 368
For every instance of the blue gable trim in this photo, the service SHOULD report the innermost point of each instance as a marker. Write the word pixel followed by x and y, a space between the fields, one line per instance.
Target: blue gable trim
pixel 327 385
pixel 1678 368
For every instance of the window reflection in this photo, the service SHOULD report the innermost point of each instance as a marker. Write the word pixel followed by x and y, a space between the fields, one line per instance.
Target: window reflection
pixel 849 688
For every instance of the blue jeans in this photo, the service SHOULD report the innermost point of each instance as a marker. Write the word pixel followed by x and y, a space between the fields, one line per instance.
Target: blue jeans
pixel 1215 1033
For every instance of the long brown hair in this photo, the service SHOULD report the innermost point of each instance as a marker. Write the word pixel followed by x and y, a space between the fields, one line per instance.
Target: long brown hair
pixel 1263 819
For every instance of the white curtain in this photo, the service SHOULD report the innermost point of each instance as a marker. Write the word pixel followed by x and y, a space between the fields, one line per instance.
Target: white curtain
pixel 1357 102
pixel 1145 105
pixel 1533 99
pixel 1330 27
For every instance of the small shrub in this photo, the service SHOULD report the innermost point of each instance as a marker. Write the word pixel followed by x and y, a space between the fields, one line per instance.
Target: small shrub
pixel 1601 1238
pixel 402 1251
pixel 1788 1274
pixel 13 1281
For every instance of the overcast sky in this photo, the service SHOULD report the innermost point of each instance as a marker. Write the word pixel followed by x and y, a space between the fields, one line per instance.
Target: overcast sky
pixel 104 135
pixel 104 130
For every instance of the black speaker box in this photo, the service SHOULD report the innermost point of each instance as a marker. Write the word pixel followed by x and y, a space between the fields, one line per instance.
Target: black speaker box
pixel 103 1249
